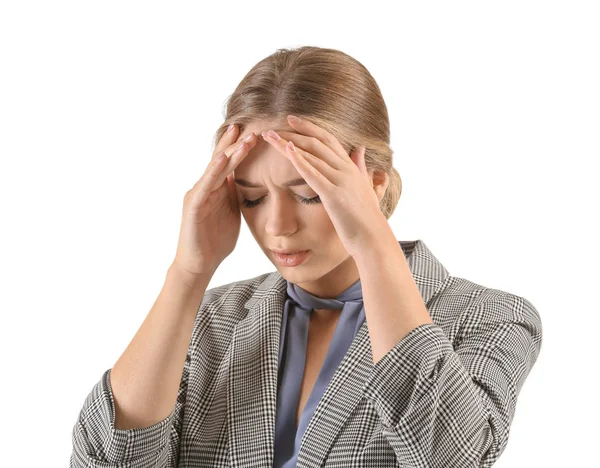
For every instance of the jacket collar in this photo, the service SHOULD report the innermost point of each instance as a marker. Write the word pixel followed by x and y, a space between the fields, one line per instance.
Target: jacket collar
pixel 253 370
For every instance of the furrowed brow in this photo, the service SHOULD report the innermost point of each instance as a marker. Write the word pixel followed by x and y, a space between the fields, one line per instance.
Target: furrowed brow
pixel 289 183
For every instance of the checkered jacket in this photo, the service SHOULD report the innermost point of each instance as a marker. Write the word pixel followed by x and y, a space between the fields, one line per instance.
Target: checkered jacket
pixel 444 396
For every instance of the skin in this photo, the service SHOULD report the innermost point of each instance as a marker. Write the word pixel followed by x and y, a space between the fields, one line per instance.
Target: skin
pixel 282 221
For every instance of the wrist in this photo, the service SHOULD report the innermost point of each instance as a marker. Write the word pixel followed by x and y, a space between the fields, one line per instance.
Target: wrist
pixel 376 244
pixel 192 280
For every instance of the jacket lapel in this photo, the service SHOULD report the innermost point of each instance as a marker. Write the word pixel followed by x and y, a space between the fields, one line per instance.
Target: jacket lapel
pixel 253 362
pixel 252 388
pixel 342 395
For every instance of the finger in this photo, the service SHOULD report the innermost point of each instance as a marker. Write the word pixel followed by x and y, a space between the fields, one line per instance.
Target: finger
pixel 227 139
pixel 214 167
pixel 233 146
pixel 309 128
pixel 317 148
pixel 310 168
pixel 219 171
pixel 358 157
pixel 322 164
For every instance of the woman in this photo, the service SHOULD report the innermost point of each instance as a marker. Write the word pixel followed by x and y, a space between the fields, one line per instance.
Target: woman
pixel 358 351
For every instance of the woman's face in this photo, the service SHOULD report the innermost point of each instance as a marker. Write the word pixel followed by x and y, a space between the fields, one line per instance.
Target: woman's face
pixel 280 220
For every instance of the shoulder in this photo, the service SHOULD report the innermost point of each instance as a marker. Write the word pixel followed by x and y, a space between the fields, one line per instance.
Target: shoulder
pixel 466 307
pixel 234 291
pixel 228 301
pixel 474 295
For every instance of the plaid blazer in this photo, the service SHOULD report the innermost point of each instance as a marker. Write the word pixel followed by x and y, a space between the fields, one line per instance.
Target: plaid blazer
pixel 444 396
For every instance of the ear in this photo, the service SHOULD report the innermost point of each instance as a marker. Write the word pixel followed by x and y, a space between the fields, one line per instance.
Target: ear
pixel 379 182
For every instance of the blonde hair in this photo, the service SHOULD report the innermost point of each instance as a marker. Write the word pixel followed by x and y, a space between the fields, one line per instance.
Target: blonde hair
pixel 329 88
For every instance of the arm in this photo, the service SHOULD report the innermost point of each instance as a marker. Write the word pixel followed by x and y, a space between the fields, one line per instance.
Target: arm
pixel 442 405
pixel 452 407
pixel 132 417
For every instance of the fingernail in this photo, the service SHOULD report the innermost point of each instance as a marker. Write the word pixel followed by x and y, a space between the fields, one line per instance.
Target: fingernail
pixel 230 128
pixel 248 137
pixel 273 135
pixel 293 119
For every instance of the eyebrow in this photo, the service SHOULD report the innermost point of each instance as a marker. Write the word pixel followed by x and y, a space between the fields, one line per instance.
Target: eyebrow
pixel 289 183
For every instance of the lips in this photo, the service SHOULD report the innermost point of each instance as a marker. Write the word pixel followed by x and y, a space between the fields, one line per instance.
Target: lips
pixel 291 260
pixel 287 251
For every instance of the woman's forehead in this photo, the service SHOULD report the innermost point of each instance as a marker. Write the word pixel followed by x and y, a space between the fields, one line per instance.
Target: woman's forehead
pixel 259 126
pixel 265 163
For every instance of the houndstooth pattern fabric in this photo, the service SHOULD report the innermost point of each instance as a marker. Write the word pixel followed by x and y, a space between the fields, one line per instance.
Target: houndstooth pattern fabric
pixel 444 396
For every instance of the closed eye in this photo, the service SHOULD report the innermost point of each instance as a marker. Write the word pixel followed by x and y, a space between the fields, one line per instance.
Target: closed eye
pixel 307 201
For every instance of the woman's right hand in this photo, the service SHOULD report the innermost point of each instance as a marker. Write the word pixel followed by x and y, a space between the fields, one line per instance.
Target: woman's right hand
pixel 210 224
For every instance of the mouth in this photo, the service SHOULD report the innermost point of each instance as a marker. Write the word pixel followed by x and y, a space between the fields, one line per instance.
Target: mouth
pixel 292 258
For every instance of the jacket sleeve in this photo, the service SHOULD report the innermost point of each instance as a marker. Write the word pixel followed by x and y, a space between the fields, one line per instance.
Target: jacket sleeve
pixel 445 406
pixel 96 442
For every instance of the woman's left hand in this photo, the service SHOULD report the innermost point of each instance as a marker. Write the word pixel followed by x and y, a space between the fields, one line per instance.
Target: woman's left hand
pixel 341 181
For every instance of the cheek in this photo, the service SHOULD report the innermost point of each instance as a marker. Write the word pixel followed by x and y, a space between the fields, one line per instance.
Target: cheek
pixel 323 228
pixel 320 217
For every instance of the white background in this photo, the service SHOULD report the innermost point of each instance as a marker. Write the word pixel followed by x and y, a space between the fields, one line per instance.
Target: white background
pixel 107 113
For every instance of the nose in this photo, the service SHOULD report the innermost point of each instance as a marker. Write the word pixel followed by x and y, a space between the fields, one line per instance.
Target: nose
pixel 282 217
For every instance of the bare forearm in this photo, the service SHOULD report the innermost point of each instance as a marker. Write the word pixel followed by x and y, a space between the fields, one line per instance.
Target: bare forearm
pixel 145 380
pixel 392 301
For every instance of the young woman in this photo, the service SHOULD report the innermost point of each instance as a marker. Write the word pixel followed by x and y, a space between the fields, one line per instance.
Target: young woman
pixel 359 350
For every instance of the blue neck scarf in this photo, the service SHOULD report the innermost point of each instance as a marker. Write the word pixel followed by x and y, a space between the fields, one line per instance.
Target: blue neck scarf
pixel 294 336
